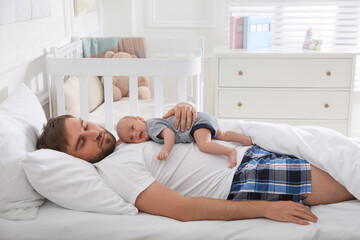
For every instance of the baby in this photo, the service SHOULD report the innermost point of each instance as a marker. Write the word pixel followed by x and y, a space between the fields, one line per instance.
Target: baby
pixel 137 130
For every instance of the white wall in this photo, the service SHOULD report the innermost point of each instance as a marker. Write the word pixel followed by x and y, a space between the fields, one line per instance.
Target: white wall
pixel 22 45
pixel 118 18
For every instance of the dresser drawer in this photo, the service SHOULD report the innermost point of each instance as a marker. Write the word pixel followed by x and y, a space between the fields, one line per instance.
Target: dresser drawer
pixel 285 72
pixel 283 103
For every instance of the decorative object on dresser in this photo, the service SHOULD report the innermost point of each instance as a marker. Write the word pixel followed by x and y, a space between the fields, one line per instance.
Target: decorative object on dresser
pixel 308 37
pixel 236 32
pixel 295 87
pixel 310 42
pixel 316 44
pixel 257 32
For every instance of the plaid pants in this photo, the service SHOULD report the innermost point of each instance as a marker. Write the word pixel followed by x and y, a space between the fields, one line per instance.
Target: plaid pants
pixel 264 175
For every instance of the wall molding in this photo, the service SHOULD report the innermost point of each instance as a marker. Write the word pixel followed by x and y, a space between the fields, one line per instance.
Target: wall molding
pixel 158 21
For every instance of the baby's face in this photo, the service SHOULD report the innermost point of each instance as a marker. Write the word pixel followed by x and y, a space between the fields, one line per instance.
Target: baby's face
pixel 132 130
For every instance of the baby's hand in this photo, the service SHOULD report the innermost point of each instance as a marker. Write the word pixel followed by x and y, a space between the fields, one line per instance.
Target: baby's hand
pixel 163 155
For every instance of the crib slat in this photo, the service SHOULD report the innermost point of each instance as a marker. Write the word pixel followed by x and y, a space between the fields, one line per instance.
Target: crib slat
pixel 199 88
pixel 108 98
pixel 84 103
pixel 158 96
pixel 133 93
pixel 59 81
pixel 182 89
pixel 51 91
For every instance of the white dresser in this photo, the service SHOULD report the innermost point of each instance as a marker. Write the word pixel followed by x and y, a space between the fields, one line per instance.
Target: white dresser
pixel 295 87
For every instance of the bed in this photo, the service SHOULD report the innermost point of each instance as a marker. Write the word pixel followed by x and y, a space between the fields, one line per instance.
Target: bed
pixel 49 195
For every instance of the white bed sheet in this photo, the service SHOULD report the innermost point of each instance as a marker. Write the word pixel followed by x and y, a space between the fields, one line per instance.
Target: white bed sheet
pixel 336 221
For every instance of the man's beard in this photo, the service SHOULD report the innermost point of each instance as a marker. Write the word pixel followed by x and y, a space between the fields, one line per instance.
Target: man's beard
pixel 110 142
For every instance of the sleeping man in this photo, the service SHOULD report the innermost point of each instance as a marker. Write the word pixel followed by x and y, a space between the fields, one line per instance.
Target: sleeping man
pixel 197 188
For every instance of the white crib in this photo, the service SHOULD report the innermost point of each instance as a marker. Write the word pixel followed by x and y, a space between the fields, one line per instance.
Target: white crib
pixel 180 58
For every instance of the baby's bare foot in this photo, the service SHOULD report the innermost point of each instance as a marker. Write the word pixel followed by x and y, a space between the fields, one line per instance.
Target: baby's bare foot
pixel 232 158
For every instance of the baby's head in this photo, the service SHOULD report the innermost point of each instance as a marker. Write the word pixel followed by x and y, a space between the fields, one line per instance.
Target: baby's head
pixel 132 130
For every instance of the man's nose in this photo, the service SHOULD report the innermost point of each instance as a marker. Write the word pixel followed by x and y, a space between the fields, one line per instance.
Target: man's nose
pixel 92 134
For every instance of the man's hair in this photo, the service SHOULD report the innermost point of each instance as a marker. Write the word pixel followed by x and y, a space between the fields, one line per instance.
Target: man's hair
pixel 54 135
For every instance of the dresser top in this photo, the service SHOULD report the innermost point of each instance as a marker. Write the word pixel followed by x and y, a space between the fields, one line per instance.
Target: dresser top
pixel 286 52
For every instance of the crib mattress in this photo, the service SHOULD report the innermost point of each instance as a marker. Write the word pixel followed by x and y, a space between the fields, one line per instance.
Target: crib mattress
pixel 336 221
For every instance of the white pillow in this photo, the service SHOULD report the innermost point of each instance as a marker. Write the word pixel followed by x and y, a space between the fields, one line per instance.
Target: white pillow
pixel 72 95
pixel 72 183
pixel 21 121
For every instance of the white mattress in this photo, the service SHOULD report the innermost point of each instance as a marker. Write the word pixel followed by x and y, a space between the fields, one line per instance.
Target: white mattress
pixel 336 221
pixel 122 108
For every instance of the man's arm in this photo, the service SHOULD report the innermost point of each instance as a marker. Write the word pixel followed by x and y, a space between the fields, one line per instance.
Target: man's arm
pixel 159 200
pixel 169 139
pixel 184 112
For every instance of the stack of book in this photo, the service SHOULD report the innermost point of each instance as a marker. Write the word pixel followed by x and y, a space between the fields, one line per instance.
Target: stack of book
pixel 250 32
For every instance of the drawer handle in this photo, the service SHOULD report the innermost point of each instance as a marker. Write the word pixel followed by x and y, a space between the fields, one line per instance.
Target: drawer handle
pixel 328 73
pixel 326 105
pixel 240 73
pixel 239 104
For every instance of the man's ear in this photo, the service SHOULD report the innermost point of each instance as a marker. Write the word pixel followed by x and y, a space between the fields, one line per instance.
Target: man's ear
pixel 118 142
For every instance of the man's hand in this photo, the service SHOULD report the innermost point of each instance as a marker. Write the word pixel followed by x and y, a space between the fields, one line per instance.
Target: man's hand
pixel 184 112
pixel 289 212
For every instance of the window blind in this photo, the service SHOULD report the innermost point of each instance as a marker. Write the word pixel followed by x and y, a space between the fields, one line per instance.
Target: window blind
pixel 337 22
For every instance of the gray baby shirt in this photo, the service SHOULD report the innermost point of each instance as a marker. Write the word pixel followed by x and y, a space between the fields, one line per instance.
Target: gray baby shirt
pixel 205 120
